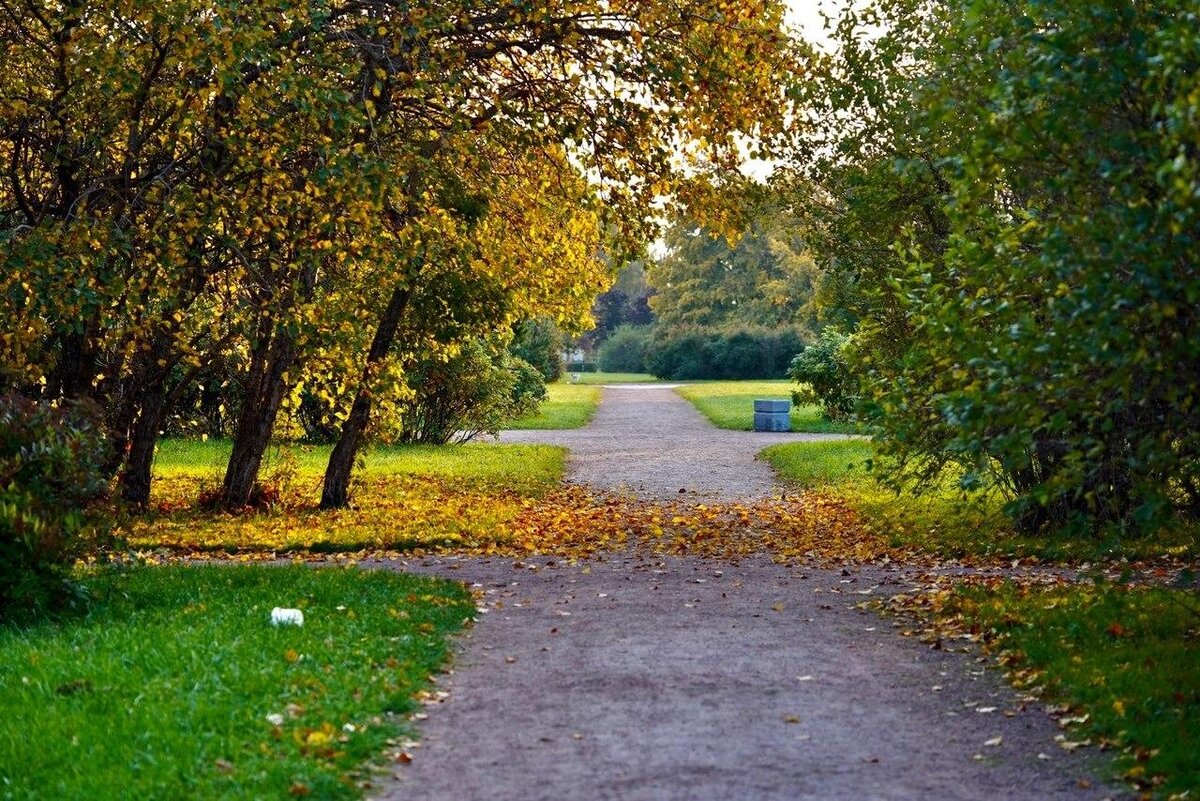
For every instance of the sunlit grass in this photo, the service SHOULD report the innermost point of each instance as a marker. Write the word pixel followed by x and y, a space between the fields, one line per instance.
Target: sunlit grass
pixel 568 406
pixel 523 468
pixel 164 688
pixel 730 405
pixel 610 378
pixel 946 521
pixel 1124 658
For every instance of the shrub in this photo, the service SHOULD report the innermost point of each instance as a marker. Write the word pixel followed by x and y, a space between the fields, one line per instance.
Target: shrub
pixel 625 350
pixel 540 343
pixel 719 354
pixel 51 472
pixel 474 392
pixel 824 376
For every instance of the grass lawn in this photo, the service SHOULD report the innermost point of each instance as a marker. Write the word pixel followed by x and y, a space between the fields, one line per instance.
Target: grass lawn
pixel 530 469
pixel 1125 658
pixel 164 689
pixel 610 378
pixel 568 406
pixel 944 521
pixel 730 404
pixel 407 497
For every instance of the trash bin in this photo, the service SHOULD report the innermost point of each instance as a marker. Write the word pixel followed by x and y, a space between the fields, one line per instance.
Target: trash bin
pixel 772 415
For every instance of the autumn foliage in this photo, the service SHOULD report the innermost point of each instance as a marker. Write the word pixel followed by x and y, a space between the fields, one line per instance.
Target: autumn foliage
pixel 298 203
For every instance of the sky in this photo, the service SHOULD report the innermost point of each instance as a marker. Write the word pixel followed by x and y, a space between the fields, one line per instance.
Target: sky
pixel 805 16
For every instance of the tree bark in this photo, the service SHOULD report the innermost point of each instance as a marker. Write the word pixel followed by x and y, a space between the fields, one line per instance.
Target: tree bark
pixel 335 491
pixel 270 381
pixel 136 475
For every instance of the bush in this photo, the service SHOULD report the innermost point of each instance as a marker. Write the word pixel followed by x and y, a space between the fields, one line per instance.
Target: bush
pixel 475 392
pixel 824 376
pixel 625 350
pixel 51 471
pixel 719 354
pixel 540 343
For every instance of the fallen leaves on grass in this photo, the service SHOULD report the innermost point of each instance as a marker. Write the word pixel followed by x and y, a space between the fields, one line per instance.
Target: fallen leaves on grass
pixel 418 516
pixel 1078 651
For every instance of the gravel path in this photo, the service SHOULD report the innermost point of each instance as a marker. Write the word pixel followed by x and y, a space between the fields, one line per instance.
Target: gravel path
pixel 647 439
pixel 634 678
pixel 638 679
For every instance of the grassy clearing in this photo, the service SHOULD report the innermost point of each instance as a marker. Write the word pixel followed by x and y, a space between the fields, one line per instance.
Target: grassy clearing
pixel 1124 658
pixel 945 521
pixel 407 497
pixel 610 378
pixel 164 688
pixel 529 469
pixel 730 404
pixel 568 406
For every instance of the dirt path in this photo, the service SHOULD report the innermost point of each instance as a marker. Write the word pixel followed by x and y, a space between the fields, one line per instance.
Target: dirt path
pixel 635 678
pixel 649 440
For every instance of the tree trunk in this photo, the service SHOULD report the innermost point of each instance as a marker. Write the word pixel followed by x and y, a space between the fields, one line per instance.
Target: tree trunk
pixel 335 492
pixel 270 381
pixel 135 477
pixel 257 420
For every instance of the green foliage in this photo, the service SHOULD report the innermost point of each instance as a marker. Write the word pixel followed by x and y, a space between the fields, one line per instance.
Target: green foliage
pixel 765 279
pixel 163 690
pixel 1034 319
pixel 721 354
pixel 825 377
pixel 625 350
pixel 51 469
pixel 475 391
pixel 539 342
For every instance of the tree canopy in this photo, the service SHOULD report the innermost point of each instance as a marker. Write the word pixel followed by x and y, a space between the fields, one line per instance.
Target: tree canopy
pixel 307 193
pixel 1005 204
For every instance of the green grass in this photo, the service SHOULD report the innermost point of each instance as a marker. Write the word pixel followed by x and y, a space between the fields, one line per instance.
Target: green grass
pixel 610 378
pixel 1124 657
pixel 730 404
pixel 528 468
pixel 569 406
pixel 946 522
pixel 163 689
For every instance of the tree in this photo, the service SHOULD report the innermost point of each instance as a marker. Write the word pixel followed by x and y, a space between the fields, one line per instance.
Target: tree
pixel 1032 321
pixel 762 279
pixel 186 183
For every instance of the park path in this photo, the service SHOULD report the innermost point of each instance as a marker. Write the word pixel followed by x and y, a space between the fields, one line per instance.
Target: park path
pixel 648 440
pixel 638 677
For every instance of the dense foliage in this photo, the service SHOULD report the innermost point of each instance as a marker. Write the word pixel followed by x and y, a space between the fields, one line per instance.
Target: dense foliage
pixel 286 206
pixel 470 393
pixel 764 278
pixel 1006 203
pixel 540 342
pixel 625 349
pixel 703 353
pixel 51 471
pixel 825 377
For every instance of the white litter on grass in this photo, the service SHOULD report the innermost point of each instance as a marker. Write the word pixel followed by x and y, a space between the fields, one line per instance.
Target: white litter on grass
pixel 286 617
